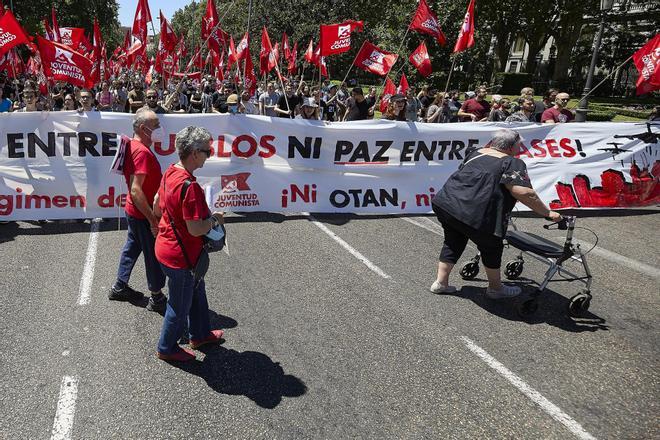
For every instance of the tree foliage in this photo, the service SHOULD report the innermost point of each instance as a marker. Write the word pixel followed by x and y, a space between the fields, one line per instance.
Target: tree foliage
pixel 72 13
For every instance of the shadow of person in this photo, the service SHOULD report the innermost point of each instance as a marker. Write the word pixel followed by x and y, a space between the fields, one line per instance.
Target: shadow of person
pixel 248 373
pixel 552 309
pixel 216 320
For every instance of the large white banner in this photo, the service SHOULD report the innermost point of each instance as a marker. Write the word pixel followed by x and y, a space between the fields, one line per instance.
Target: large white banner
pixel 56 165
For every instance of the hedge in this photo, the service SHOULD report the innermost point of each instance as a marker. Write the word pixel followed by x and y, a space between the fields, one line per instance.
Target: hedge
pixel 599 116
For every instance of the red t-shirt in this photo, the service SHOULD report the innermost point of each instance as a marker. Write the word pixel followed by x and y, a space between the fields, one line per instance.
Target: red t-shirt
pixel 194 207
pixel 552 114
pixel 141 160
pixel 480 109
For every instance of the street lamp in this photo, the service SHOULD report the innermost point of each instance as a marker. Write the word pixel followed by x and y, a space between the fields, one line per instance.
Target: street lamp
pixel 583 108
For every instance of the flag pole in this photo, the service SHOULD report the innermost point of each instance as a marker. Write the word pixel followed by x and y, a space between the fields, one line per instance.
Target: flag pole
pixel 352 64
pixel 403 40
pixel 13 69
pixel 248 48
pixel 600 83
pixel 453 63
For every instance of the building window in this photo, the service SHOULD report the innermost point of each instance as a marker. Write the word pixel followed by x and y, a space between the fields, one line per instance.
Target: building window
pixel 513 67
pixel 519 46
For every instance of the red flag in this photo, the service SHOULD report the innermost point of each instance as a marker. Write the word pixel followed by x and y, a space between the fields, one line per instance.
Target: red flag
pixel 403 85
pixel 324 67
pixel 64 64
pixel 249 80
pixel 183 50
pixel 6 64
pixel 309 54
pixel 142 16
pixel 232 56
pixel 647 61
pixel 75 38
pixel 285 45
pixel 426 22
pixel 264 54
pixel 56 26
pixel 336 38
pixel 242 51
pixel 388 91
pixel 98 41
pixel 12 33
pixel 96 55
pixel 49 31
pixel 375 60
pixel 34 68
pixel 210 19
pixel 220 67
pixel 167 35
pixel 317 55
pixel 293 56
pixel 17 62
pixel 195 59
pixel 421 60
pixel 466 35
pixel 272 58
pixel 217 38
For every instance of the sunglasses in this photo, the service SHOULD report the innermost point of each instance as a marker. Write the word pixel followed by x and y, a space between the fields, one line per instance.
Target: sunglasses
pixel 151 97
pixel 207 152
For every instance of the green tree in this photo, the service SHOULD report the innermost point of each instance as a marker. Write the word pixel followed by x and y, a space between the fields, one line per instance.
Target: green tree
pixel 72 13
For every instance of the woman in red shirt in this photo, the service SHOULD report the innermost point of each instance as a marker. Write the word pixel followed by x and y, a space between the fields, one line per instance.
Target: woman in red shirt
pixel 192 219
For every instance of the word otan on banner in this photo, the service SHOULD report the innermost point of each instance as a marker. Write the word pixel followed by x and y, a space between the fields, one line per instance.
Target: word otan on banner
pixel 63 165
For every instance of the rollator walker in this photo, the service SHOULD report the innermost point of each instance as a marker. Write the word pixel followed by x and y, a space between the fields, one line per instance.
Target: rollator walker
pixel 547 252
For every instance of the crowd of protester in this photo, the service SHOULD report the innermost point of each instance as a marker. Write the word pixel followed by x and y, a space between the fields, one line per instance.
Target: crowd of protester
pixel 297 99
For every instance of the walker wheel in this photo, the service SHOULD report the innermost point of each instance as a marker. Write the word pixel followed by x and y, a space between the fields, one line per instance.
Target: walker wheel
pixel 528 308
pixel 513 269
pixel 469 270
pixel 579 304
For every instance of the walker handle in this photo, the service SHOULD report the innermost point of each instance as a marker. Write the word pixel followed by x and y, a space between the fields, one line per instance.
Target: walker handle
pixel 562 224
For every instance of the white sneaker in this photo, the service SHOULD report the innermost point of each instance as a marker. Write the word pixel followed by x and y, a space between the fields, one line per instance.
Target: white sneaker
pixel 436 287
pixel 505 292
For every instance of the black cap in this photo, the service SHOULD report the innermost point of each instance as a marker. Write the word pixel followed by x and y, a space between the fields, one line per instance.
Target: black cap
pixel 358 90
pixel 397 97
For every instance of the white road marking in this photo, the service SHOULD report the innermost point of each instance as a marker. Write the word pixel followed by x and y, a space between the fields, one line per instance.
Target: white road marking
pixel 66 409
pixel 553 410
pixel 635 265
pixel 90 262
pixel 348 247
pixel 425 223
pixel 429 225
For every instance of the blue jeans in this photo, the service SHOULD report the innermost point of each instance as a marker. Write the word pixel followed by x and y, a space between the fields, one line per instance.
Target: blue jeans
pixel 187 301
pixel 140 240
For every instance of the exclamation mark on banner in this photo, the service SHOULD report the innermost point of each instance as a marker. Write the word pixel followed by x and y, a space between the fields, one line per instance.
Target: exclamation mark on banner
pixel 579 147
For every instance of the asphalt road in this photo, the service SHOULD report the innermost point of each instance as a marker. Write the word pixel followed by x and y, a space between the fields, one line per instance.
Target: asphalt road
pixel 331 333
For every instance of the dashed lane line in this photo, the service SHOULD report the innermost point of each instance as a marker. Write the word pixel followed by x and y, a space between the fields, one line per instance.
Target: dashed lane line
pixel 90 263
pixel 635 265
pixel 66 409
pixel 348 247
pixel 550 408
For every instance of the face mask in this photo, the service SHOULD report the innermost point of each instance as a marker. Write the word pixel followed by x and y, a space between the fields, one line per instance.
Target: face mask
pixel 157 135
pixel 233 109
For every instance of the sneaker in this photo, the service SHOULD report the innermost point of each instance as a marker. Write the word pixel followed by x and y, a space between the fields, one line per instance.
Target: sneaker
pixel 182 355
pixel 125 294
pixel 215 336
pixel 436 287
pixel 505 292
pixel 157 303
